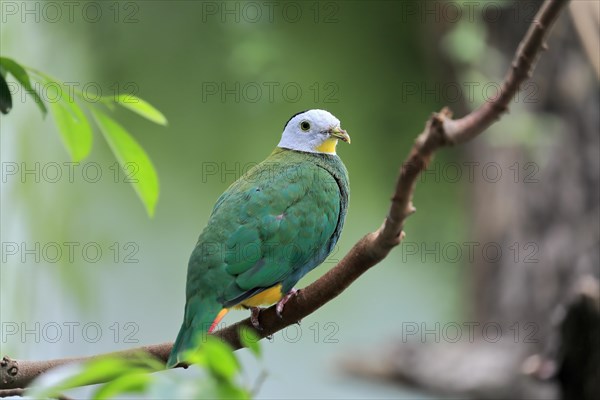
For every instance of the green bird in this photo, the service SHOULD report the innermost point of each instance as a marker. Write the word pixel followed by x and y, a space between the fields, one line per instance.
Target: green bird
pixel 268 229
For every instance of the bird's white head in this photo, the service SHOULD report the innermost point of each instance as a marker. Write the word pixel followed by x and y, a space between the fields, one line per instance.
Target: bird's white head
pixel 313 131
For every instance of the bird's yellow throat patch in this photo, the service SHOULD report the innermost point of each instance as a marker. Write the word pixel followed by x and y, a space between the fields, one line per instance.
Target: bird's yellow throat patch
pixel 328 146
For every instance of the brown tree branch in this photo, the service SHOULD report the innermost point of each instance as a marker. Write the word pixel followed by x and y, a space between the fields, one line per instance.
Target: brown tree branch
pixel 12 392
pixel 440 131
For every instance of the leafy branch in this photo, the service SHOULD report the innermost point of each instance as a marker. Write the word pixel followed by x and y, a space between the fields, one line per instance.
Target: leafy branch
pixel 133 374
pixel 75 128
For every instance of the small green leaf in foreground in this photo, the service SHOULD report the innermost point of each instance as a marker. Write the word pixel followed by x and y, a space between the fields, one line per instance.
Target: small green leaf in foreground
pixel 123 371
pixel 250 339
pixel 216 356
pixel 129 383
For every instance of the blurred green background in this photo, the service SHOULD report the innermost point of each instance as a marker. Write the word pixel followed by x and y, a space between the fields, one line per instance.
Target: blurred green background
pixel 352 58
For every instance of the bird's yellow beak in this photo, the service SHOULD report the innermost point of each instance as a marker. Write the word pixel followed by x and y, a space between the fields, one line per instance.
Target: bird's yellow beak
pixel 339 133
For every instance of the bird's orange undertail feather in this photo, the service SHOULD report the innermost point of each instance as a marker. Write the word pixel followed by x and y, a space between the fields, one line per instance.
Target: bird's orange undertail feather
pixel 220 316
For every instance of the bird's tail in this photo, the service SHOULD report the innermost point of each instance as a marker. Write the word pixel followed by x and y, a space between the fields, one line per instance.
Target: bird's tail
pixel 200 317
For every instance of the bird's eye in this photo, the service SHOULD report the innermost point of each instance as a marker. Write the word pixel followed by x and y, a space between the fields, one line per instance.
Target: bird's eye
pixel 305 126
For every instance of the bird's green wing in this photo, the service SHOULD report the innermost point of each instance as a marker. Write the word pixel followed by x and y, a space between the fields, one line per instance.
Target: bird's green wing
pixel 271 226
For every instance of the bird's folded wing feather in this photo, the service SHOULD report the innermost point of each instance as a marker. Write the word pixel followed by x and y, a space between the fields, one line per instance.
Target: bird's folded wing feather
pixel 273 223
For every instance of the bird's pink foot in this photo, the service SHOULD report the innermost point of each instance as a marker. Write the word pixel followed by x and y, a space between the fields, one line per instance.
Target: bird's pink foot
pixel 254 314
pixel 284 299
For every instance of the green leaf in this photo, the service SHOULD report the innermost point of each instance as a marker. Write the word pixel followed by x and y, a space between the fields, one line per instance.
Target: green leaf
pixel 22 77
pixel 220 358
pixel 141 107
pixel 5 97
pixel 73 125
pixel 130 383
pixel 216 356
pixel 95 371
pixel 250 339
pixel 74 128
pixel 229 391
pixel 133 159
pixel 122 371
